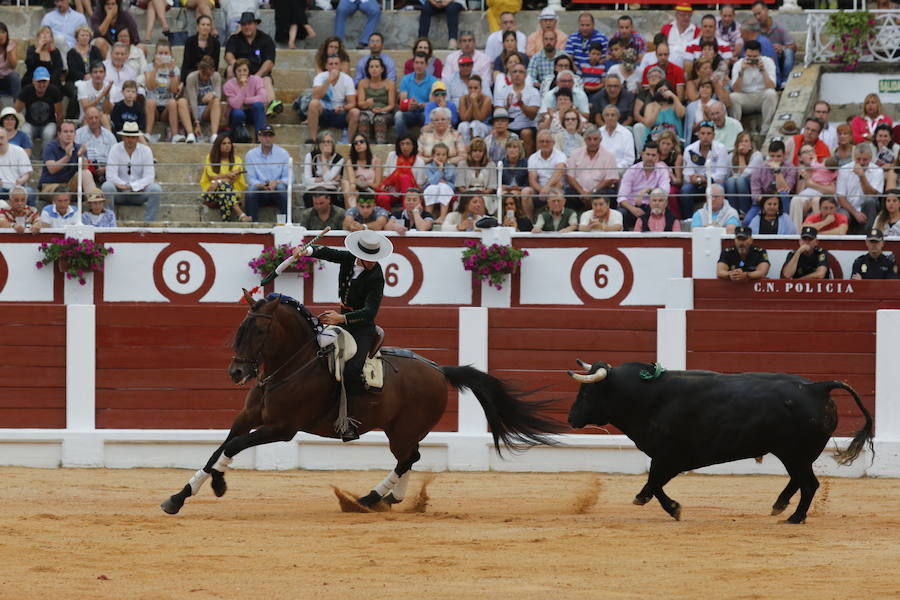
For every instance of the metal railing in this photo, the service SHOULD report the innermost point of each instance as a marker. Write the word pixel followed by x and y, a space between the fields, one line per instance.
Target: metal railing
pixel 884 46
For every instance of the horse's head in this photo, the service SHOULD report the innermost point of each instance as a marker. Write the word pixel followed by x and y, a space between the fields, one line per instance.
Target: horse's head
pixel 250 340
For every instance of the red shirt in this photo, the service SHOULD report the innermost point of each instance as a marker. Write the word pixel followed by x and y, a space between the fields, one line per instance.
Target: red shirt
pixel 839 219
pixel 674 74
pixel 31 215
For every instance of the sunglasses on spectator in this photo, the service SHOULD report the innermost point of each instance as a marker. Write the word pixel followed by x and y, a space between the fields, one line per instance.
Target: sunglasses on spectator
pixel 440 93
pixel 709 124
pixel 359 141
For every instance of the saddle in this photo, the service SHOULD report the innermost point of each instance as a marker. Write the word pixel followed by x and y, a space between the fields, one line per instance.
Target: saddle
pixel 341 347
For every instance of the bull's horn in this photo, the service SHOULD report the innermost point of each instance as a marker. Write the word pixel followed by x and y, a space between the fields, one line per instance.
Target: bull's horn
pixel 583 364
pixel 600 375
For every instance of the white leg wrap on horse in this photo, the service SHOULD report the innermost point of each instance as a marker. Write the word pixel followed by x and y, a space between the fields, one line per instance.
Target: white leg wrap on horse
pixel 399 490
pixel 197 481
pixel 388 484
pixel 223 464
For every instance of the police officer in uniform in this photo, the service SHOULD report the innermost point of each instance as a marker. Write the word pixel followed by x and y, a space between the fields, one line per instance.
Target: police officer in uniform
pixel 744 261
pixel 875 264
pixel 360 287
pixel 809 261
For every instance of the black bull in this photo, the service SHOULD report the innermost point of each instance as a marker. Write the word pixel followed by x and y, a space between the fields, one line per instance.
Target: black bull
pixel 686 420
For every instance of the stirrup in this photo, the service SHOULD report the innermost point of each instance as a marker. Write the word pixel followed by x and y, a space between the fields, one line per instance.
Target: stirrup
pixel 350 433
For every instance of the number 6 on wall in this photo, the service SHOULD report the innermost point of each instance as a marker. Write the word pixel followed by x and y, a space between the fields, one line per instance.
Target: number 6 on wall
pixel 602 276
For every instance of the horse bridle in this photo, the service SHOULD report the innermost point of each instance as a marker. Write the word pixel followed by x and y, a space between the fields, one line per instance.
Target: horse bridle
pixel 253 362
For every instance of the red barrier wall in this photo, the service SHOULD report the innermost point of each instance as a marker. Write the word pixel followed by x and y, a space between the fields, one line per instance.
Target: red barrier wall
pixel 535 346
pixel 33 366
pixel 164 366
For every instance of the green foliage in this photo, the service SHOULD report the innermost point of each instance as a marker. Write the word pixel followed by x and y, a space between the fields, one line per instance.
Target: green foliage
pixel 852 31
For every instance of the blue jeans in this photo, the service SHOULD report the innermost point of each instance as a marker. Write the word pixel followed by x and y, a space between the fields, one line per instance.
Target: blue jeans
pixel 254 114
pixel 11 85
pixel 149 197
pixel 253 198
pixel 786 65
pixel 428 10
pixel 410 118
pixel 372 10
pixel 690 195
pixel 754 210
pixel 737 190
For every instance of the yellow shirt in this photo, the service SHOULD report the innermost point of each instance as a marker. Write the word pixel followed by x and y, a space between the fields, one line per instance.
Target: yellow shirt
pixel 240 184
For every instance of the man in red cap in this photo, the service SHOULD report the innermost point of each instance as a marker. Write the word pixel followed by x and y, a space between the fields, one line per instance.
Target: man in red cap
pixel 680 33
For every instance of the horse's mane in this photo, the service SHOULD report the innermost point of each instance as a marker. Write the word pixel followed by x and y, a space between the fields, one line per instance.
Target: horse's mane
pixel 298 306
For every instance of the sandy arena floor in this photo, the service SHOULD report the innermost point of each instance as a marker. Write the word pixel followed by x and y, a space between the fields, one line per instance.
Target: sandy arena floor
pixel 101 534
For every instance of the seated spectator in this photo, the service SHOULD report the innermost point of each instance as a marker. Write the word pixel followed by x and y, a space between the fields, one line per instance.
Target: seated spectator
pixel 521 104
pixel 843 152
pixel 475 111
pixel 698 111
pixel 500 135
pixel 10 81
pixel 162 80
pixel 438 99
pixel 362 171
pixel 822 111
pixel 323 213
pixel 259 50
pixel 658 217
pixel 744 160
pixel 809 260
pixel 201 44
pixel 323 168
pixel 888 219
pixel 135 57
pixel 546 167
pixel 97 215
pixel 202 93
pixel 97 140
pixel 723 215
pixel 376 50
pixel 63 22
pixel 773 176
pixel 569 138
pixel 223 181
pixel 565 80
pixel 616 51
pixel 670 155
pixel 403 169
pixel 130 108
pixel 130 173
pixel 452 10
pixel 578 44
pixel 553 118
pixel 59 212
pixel 679 33
pixel 859 186
pixel 267 175
pixel 670 71
pixel 415 88
pixel 42 52
pixel 593 72
pixel 750 32
pixel 727 128
pixel 61 162
pixel 628 72
pixel 499 23
pixel 617 139
pixel 15 168
pixel 613 94
pixel 458 82
pixel 345 9
pixel 118 71
pixel 481 63
pixel 663 112
pixel 413 216
pixel 476 172
pixel 627 37
pixel 514 215
pixel 814 179
pixel 771 219
pixel 561 63
pixel 708 35
pixel 780 37
pixel 744 261
pixel 547 21
pixel 515 177
pixel 753 84
pixel 542 64
pixel 591 170
pixel 365 215
pixel 234 9
pixel 41 103
pixel 19 216
pixel 441 177
pixel 874 264
pixel 637 183
pixel 510 48
pixel 885 148
pixel 706 155
pixel 729 30
pixel 467 213
pixel 376 98
pixel 94 93
pixel 556 217
pixel 246 96
pixel 334 101
pixel 433 66
pixel 827 220
pixel 332 46
pixel 12 122
pixel 442 133
pixel 600 217
pixel 110 17
pixel 808 137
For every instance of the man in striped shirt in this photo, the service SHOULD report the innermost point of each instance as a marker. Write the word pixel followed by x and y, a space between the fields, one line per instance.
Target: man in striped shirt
pixel 693 51
pixel 579 43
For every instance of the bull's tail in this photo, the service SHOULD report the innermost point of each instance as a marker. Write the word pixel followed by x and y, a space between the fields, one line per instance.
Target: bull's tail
pixel 863 437
pixel 515 422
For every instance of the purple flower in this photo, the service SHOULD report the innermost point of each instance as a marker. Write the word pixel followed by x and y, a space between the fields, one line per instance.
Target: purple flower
pixel 856 30
pixel 39 265
pixel 81 281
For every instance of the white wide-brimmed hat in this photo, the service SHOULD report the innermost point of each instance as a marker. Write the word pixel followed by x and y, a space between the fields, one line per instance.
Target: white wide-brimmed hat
pixel 368 245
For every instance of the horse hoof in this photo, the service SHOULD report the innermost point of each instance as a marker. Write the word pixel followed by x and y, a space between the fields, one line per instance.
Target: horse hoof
pixel 390 499
pixel 777 509
pixel 218 484
pixel 171 505
pixel 640 501
pixel 370 499
pixel 796 520
pixel 676 511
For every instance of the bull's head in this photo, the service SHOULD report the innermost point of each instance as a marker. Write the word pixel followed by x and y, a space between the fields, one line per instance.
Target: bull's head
pixel 588 407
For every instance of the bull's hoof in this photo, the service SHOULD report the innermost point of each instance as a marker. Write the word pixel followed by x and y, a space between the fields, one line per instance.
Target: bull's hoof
pixel 675 511
pixel 796 519
pixel 640 501
pixel 390 499
pixel 370 499
pixel 172 505
pixel 777 508
pixel 218 484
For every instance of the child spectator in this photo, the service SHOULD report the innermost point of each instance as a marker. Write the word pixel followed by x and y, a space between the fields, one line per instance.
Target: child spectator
pixel 129 108
pixel 594 70
pixel 441 177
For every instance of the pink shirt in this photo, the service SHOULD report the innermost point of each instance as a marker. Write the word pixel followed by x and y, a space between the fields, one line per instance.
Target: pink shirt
pixel 655 223
pixel 590 171
pixel 821 175
pixel 637 179
pixel 239 97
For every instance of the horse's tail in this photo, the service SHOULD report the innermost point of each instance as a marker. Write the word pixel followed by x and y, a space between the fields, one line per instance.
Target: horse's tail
pixel 515 422
pixel 861 438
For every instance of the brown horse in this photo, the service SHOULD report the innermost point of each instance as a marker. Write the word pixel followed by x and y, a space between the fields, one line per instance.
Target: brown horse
pixel 298 393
